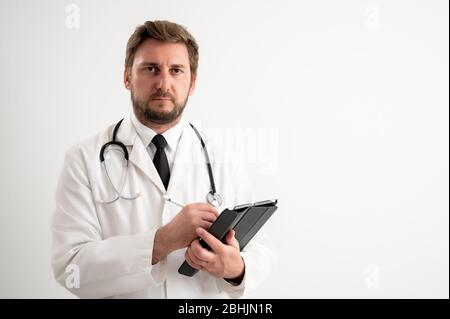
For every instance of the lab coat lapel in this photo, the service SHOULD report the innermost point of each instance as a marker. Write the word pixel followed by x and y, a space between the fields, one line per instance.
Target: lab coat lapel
pixel 139 155
pixel 182 160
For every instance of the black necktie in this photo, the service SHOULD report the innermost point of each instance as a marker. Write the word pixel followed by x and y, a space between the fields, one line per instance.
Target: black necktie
pixel 160 159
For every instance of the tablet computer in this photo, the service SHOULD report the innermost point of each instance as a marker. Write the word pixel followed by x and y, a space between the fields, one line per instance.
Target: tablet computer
pixel 245 219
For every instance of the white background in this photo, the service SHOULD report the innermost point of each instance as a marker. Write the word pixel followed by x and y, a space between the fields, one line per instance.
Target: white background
pixel 347 102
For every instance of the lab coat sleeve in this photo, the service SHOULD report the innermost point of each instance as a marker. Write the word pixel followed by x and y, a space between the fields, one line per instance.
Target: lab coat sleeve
pixel 259 254
pixel 83 261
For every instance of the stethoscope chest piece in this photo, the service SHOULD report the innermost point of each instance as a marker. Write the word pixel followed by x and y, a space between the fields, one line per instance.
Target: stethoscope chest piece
pixel 214 199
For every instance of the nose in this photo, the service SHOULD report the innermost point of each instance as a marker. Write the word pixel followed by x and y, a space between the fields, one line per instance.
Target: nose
pixel 163 82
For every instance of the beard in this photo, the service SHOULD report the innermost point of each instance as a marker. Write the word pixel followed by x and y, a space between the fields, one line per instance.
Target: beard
pixel 152 114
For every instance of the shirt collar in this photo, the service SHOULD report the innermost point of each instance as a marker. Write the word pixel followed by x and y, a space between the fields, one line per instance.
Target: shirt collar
pixel 146 134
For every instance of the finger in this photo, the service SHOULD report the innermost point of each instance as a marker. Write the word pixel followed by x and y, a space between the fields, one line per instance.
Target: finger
pixel 190 262
pixel 207 208
pixel 214 211
pixel 231 240
pixel 201 253
pixel 205 225
pixel 209 217
pixel 195 258
pixel 212 241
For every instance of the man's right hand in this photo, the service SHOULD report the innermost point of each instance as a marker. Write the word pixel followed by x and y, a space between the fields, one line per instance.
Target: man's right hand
pixel 180 231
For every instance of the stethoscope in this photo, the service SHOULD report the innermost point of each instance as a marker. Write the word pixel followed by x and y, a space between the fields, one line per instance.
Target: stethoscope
pixel 212 197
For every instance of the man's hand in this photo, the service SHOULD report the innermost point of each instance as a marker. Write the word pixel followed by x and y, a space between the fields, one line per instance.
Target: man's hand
pixel 223 261
pixel 181 230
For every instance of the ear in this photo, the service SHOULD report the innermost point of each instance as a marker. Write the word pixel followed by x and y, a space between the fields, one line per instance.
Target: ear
pixel 126 79
pixel 192 87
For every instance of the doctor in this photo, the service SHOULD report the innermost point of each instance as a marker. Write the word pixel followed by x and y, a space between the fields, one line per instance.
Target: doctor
pixel 117 221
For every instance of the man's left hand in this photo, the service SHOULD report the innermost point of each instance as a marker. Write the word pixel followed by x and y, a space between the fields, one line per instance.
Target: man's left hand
pixel 223 261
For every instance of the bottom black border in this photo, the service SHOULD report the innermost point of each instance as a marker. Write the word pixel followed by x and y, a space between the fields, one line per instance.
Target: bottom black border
pixel 226 308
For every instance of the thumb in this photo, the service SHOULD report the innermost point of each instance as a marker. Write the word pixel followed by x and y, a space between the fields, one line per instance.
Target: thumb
pixel 231 240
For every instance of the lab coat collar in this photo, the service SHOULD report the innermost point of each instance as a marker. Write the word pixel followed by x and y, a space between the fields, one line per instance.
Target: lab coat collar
pixel 146 134
pixel 138 154
pixel 127 133
pixel 182 161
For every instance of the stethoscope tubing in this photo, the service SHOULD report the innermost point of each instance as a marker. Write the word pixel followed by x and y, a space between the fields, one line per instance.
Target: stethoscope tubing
pixel 212 197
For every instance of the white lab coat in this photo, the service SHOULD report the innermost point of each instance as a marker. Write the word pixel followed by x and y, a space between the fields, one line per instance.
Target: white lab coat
pixel 111 244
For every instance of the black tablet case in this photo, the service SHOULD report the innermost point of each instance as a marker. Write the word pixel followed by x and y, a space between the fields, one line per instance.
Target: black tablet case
pixel 246 220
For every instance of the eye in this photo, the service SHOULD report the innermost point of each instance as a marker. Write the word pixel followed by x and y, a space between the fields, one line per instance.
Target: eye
pixel 177 71
pixel 150 68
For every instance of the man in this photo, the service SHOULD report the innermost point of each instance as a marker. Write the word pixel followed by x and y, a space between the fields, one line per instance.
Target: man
pixel 132 246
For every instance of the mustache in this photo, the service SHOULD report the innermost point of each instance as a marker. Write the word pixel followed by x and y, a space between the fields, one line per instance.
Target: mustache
pixel 161 95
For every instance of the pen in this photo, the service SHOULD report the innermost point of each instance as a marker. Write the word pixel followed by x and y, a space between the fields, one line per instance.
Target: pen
pixel 170 200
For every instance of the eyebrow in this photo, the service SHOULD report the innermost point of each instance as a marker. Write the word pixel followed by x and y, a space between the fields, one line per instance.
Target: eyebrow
pixel 180 66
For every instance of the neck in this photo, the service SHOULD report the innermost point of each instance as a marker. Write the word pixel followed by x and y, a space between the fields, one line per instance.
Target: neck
pixel 157 127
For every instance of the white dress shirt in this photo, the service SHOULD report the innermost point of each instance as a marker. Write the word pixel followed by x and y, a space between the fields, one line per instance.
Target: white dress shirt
pixel 146 134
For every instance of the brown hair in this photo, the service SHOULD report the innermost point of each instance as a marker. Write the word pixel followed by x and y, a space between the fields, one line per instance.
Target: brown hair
pixel 165 31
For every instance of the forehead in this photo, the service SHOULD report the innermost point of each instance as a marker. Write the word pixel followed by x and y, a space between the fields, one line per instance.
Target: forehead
pixel 152 50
